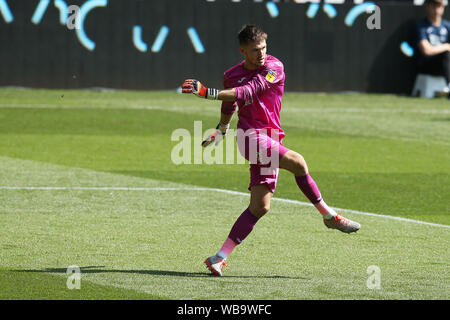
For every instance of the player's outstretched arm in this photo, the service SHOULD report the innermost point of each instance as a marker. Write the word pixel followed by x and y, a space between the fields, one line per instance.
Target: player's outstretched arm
pixel 197 88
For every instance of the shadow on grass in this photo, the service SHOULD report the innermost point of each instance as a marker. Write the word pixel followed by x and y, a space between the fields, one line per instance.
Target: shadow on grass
pixel 99 269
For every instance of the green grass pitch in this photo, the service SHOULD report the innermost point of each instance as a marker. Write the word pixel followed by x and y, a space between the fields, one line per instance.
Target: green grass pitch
pixel 86 179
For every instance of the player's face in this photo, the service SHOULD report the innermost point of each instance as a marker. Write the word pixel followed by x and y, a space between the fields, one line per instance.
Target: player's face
pixel 254 54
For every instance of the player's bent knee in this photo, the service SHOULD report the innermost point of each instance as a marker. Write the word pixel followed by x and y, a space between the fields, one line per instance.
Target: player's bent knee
pixel 300 165
pixel 300 160
pixel 259 211
pixel 295 163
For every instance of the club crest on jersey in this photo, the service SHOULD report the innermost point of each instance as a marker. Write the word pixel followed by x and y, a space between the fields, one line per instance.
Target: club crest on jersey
pixel 271 76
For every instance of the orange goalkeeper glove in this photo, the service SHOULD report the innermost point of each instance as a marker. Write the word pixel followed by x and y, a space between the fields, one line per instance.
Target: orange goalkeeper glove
pixel 217 135
pixel 195 87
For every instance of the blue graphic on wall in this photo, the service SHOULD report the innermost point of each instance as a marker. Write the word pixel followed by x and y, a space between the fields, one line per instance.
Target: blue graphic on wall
pixel 39 12
pixel 357 10
pixel 84 10
pixel 63 8
pixel 407 49
pixel 313 8
pixel 272 9
pixel 195 39
pixel 137 39
pixel 160 39
pixel 331 11
pixel 63 11
pixel 6 12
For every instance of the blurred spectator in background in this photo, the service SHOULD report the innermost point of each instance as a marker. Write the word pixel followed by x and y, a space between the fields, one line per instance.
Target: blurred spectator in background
pixel 433 41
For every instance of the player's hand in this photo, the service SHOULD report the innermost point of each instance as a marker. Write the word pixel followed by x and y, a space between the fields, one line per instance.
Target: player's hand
pixel 197 88
pixel 217 135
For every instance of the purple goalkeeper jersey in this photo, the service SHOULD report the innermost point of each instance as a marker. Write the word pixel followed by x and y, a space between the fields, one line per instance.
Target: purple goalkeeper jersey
pixel 258 95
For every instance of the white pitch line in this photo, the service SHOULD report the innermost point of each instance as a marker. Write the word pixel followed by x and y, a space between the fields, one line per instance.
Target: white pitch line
pixel 223 191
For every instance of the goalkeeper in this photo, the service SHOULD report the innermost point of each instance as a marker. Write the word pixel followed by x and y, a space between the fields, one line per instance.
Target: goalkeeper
pixel 256 86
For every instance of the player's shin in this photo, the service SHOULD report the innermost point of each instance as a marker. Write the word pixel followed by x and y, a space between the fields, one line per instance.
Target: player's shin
pixel 309 188
pixel 240 230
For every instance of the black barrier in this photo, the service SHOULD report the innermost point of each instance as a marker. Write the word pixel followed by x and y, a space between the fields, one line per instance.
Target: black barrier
pixel 154 44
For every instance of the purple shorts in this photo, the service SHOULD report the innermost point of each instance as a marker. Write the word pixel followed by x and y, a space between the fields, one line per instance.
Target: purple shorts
pixel 263 149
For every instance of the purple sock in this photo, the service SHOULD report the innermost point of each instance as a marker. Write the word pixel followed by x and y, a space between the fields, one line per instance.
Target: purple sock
pixel 309 188
pixel 243 226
